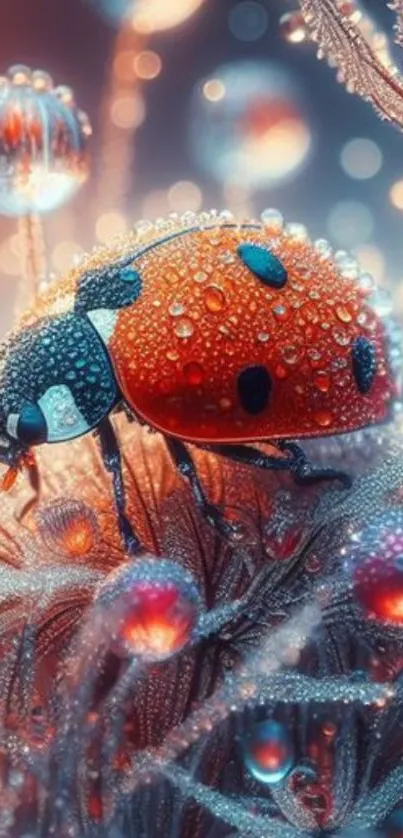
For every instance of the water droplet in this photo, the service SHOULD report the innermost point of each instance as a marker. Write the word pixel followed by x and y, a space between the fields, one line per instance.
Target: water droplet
pixel 272 218
pixel 293 28
pixel 176 309
pixel 297 231
pixel 323 248
pixel 280 312
pixel 338 364
pixel 225 404
pixel 193 373
pixel 280 371
pixel 341 337
pixel 343 314
pixel 184 328
pixel 200 276
pixel 323 418
pixel 143 226
pixel 227 257
pixel 366 282
pixel 224 331
pixel 226 217
pixel 268 752
pixel 214 238
pixel 323 382
pixel 381 302
pixel 214 299
pixel 314 354
pixel 290 355
pixel 262 337
pixel 349 269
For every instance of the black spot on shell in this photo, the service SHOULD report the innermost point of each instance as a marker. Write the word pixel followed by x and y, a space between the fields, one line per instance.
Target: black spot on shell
pixel 254 387
pixel 264 264
pixel 364 363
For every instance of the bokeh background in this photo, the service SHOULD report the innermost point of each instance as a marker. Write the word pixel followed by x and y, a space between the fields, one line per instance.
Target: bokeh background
pixel 222 110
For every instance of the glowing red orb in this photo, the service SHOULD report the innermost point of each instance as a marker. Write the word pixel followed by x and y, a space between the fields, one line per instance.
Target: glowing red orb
pixel 160 621
pixel 268 752
pixel 150 608
pixel 377 564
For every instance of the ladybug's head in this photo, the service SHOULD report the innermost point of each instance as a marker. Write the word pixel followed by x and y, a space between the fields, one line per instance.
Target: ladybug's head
pixel 16 439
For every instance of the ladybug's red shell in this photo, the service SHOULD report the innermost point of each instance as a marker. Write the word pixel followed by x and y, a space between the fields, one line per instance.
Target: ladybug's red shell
pixel 204 322
pixel 204 318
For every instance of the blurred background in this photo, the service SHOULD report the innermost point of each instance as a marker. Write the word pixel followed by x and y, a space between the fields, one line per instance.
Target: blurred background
pixel 203 103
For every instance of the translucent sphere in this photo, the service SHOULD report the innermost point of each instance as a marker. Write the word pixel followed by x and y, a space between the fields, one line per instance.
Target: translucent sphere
pixel 247 125
pixel 376 566
pixel 150 608
pixel 147 15
pixel 43 143
pixel 268 752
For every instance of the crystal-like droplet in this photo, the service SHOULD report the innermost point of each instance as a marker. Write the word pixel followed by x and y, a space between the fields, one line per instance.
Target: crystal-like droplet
pixel 343 314
pixel 184 328
pixel 19 74
pixel 273 219
pixel 323 418
pixel 297 232
pixel 214 299
pixel 268 752
pixel 322 381
pixel 193 373
pixel 292 27
pixel 176 309
pixel 323 247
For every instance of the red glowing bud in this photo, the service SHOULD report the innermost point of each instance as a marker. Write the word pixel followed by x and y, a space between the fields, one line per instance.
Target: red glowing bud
pixel 150 608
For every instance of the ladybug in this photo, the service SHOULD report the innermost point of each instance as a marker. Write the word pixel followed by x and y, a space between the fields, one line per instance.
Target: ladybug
pixel 213 333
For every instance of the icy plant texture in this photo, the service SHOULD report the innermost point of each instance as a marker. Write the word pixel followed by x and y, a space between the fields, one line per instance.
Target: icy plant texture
pixel 346 37
pixel 205 688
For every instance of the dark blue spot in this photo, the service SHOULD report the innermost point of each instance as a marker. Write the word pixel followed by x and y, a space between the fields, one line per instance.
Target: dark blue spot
pixel 31 427
pixel 113 288
pixel 364 363
pixel 264 264
pixel 254 386
pixel 130 275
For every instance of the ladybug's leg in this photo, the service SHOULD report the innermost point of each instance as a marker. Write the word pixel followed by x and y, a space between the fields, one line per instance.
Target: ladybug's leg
pixel 249 456
pixel 113 464
pixel 306 473
pixel 185 465
pixel 297 463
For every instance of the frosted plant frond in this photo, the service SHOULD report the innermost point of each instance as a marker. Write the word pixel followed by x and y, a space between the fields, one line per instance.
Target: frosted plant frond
pixel 379 803
pixel 258 682
pixel 228 809
pixel 359 66
pixel 397 6
pixel 370 492
pixel 293 810
pixel 345 770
